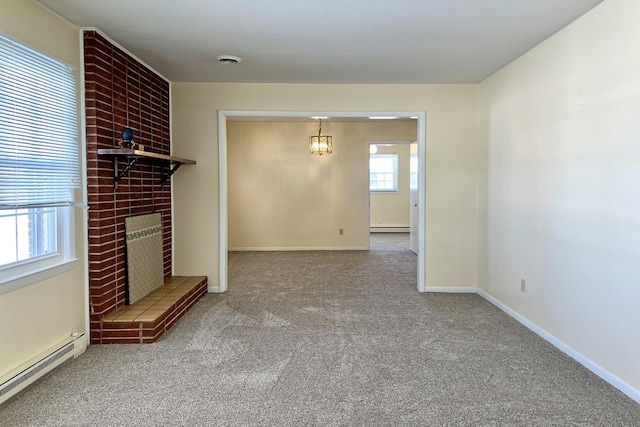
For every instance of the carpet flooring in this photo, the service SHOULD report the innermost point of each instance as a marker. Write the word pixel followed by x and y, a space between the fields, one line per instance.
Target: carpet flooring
pixel 328 338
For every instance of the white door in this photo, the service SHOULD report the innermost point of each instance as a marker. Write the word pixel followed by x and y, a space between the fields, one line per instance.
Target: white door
pixel 413 198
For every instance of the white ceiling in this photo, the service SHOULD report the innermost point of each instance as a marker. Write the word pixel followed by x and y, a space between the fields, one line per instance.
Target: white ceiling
pixel 330 41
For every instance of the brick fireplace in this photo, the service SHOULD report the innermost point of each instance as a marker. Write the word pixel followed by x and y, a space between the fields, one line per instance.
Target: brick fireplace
pixel 120 92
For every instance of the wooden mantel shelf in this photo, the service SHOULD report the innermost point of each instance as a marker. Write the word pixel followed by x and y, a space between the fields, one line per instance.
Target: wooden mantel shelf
pixel 132 156
pixel 129 152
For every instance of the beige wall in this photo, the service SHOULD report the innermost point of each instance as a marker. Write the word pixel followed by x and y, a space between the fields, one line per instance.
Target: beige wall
pixel 38 316
pixel 559 194
pixel 281 197
pixel 391 209
pixel 451 133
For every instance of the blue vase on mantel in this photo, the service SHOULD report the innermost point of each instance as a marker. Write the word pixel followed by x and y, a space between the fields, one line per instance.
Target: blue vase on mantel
pixel 127 138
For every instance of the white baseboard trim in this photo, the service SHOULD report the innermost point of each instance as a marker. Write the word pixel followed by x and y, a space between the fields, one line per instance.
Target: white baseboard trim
pixel 458 290
pixel 213 289
pixel 612 379
pixel 288 249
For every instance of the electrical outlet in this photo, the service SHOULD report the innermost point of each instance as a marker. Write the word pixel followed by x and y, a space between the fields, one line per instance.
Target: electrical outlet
pixel 341 231
pixel 522 285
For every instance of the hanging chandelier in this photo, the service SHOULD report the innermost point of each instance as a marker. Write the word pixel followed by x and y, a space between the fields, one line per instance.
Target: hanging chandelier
pixel 320 144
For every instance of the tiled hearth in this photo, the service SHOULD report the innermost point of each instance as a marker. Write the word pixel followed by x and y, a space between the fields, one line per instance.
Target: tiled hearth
pixel 146 320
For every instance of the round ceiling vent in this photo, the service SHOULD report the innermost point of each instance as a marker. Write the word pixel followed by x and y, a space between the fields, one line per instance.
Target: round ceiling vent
pixel 229 59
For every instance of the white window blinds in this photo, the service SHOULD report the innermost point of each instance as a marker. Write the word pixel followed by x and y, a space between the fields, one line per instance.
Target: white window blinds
pixel 39 164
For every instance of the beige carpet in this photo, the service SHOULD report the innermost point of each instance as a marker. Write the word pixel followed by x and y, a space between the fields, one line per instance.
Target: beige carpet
pixel 328 339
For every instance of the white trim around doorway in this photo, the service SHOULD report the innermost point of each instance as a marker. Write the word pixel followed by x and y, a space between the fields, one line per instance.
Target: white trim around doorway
pixel 222 178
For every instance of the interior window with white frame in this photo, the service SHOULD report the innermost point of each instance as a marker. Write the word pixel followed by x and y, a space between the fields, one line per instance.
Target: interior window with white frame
pixel 383 172
pixel 39 163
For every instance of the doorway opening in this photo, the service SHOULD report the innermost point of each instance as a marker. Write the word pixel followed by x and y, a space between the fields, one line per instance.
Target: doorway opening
pixel 224 115
pixel 393 185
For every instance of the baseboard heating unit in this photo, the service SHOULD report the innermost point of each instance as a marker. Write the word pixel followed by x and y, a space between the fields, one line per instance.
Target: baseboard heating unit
pixel 36 368
pixel 389 229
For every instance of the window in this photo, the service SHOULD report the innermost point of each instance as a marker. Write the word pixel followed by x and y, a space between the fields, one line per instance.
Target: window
pixel 39 163
pixel 383 172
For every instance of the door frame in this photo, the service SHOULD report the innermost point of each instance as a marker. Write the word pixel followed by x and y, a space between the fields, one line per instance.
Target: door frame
pixel 222 177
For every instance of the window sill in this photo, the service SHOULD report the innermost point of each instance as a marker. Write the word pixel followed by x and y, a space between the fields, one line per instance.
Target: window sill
pixel 26 279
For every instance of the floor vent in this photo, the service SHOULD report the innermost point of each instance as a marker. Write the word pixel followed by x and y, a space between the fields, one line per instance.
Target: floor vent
pixel 17 380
